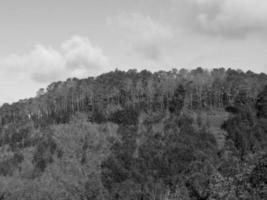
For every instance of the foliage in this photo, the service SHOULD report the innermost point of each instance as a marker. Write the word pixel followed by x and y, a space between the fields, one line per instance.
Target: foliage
pixel 138 136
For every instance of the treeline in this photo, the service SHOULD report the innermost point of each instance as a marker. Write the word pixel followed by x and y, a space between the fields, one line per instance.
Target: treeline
pixel 138 136
pixel 142 90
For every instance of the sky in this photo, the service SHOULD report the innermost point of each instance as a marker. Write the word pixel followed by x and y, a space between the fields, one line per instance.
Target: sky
pixel 52 40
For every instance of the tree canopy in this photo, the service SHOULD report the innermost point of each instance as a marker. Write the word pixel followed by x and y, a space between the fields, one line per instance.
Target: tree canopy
pixel 178 134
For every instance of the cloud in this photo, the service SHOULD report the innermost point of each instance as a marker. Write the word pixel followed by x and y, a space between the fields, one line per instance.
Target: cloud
pixel 22 75
pixel 229 18
pixel 147 35
pixel 76 57
pixel 80 54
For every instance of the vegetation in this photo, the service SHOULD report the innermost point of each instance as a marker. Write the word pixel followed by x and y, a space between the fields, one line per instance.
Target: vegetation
pixel 138 136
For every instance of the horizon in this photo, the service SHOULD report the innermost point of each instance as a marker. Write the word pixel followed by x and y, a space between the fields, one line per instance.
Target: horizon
pixel 43 42
pixel 209 70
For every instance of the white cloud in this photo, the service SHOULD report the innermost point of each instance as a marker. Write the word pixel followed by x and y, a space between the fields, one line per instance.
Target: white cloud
pixel 42 64
pixel 22 75
pixel 231 18
pixel 77 57
pixel 147 36
pixel 80 54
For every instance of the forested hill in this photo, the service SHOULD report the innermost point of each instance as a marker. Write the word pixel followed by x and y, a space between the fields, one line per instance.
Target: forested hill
pixel 183 134
pixel 101 96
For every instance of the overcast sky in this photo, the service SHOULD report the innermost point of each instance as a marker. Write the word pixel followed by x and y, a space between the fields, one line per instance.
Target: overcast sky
pixel 42 41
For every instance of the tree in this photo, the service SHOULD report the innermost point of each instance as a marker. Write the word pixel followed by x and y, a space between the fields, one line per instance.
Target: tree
pixel 177 102
pixel 261 103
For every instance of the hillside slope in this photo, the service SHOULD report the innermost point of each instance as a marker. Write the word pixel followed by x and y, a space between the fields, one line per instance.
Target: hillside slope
pixel 140 136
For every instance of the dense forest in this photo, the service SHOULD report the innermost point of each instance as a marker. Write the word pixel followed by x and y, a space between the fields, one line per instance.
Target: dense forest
pixel 169 135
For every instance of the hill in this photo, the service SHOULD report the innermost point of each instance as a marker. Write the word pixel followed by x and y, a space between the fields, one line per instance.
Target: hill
pixel 183 134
